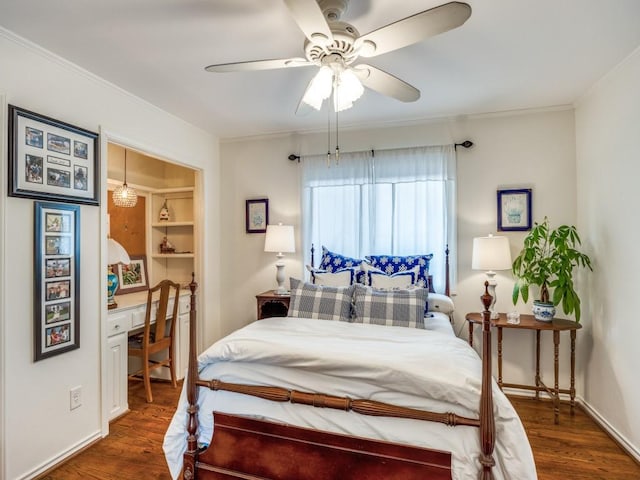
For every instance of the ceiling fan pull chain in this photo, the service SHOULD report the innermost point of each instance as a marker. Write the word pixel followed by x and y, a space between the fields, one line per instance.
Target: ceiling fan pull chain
pixel 328 135
pixel 337 147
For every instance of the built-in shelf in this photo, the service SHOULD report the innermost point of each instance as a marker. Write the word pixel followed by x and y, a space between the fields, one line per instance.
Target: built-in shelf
pixel 172 224
pixel 173 255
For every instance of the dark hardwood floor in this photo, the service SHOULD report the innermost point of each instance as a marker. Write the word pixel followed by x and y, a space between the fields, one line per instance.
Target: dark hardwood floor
pixel 577 449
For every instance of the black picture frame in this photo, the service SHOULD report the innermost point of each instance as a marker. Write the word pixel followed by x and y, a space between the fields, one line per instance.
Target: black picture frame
pixel 52 160
pixel 514 210
pixel 57 279
pixel 257 215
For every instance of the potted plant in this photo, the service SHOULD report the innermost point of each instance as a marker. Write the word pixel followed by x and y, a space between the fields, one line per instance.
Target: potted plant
pixel 547 260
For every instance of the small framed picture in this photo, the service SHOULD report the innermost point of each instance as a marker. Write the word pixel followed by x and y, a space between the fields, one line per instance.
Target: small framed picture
pixel 71 171
pixel 257 215
pixel 57 279
pixel 514 210
pixel 133 277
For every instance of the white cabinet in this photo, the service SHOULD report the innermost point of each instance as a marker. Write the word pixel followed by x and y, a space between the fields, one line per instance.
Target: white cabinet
pixel 177 263
pixel 118 324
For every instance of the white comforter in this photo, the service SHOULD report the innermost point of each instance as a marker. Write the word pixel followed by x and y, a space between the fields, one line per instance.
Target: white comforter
pixel 415 368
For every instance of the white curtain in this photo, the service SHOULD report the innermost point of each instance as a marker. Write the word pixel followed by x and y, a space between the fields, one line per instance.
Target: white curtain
pixel 397 202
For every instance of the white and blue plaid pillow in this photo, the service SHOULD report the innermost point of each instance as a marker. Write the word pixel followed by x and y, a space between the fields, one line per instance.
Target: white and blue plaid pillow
pixel 397 308
pixel 391 264
pixel 320 302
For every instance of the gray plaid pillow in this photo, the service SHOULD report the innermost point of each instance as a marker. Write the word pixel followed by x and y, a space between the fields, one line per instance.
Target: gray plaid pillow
pixel 397 308
pixel 319 301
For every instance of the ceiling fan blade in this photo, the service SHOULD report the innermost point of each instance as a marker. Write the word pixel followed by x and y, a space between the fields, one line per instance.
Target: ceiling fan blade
pixel 258 65
pixel 413 29
pixel 311 21
pixel 385 83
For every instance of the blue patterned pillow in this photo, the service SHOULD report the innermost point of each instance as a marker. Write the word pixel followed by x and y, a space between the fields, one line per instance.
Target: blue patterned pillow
pixel 391 264
pixel 332 262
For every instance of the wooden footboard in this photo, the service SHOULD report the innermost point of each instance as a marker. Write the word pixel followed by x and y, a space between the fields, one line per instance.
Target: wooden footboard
pixel 255 449
pixel 248 448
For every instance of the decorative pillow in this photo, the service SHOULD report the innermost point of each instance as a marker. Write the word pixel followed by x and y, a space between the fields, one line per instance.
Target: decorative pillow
pixel 319 301
pixel 400 280
pixel 398 308
pixel 332 262
pixel 341 278
pixel 391 264
pixel 440 303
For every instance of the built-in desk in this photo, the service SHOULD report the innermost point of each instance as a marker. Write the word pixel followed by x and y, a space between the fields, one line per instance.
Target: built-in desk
pixel 126 319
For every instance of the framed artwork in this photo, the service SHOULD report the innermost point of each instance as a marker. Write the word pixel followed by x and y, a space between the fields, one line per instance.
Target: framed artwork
pixel 133 277
pixel 257 215
pixel 514 210
pixel 52 160
pixel 57 279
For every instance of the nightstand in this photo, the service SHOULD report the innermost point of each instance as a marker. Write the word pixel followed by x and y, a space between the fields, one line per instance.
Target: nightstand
pixel 528 322
pixel 271 304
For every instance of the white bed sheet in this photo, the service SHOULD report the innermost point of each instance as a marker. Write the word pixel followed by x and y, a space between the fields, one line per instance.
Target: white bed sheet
pixel 425 369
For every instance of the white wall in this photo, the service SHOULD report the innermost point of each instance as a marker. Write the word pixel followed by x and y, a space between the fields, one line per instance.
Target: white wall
pixel 607 122
pixel 37 427
pixel 531 149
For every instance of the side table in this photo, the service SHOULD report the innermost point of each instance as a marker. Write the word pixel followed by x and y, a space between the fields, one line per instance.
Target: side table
pixel 272 304
pixel 528 322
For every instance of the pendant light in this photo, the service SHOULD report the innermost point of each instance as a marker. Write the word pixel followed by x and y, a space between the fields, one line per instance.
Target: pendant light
pixel 124 195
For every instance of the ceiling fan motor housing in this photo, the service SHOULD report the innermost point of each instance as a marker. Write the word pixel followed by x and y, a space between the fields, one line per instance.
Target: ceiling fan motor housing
pixel 344 36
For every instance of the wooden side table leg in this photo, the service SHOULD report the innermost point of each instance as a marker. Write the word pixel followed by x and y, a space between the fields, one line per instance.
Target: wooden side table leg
pixel 556 398
pixel 500 357
pixel 572 390
pixel 470 333
pixel 537 364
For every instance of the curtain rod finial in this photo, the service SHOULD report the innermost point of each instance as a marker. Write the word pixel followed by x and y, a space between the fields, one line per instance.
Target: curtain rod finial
pixel 293 157
pixel 465 144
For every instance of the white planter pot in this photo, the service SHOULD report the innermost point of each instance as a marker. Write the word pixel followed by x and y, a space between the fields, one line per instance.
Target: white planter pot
pixel 543 311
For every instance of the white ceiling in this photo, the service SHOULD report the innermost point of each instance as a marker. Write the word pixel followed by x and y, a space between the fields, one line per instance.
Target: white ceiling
pixel 511 54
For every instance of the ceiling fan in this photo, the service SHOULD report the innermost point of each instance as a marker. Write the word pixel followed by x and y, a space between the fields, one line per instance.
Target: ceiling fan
pixel 334 46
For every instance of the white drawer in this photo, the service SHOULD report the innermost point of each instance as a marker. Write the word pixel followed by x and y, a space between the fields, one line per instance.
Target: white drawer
pixel 137 318
pixel 118 323
pixel 185 305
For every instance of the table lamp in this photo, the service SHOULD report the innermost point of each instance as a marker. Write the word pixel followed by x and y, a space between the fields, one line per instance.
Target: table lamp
pixel 280 239
pixel 115 254
pixel 491 254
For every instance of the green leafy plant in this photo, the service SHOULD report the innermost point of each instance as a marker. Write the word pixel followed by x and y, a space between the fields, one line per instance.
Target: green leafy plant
pixel 547 260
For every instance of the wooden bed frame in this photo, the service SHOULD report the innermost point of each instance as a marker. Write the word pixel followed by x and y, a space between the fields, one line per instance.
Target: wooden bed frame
pixel 247 448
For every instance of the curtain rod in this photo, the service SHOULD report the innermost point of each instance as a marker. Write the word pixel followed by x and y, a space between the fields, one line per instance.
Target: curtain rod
pixel 466 144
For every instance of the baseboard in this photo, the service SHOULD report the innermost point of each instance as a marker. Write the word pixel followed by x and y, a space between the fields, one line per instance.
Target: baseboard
pixel 617 437
pixel 620 439
pixel 564 397
pixel 55 462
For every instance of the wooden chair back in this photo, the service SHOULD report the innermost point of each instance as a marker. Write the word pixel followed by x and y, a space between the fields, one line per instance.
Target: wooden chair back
pixel 165 288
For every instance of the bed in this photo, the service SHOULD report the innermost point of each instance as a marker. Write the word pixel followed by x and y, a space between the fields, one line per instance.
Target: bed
pixel 413 403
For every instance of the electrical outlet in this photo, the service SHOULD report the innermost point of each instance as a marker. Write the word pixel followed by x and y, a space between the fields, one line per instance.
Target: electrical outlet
pixel 75 397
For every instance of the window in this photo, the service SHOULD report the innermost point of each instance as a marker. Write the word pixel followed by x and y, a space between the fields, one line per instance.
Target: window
pixel 397 202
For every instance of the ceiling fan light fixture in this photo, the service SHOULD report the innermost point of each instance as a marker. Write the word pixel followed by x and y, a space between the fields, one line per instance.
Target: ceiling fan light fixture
pixel 319 88
pixel 348 89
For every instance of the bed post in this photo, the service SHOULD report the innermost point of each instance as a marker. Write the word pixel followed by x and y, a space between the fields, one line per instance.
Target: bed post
pixel 313 250
pixel 446 271
pixel 191 454
pixel 487 422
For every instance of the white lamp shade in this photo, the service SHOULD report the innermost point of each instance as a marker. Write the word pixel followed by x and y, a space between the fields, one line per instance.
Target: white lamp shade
pixel 280 239
pixel 491 253
pixel 116 253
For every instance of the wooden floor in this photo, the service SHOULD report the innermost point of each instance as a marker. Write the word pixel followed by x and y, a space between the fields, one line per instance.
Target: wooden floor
pixel 576 449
